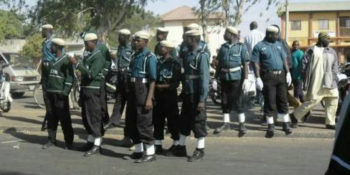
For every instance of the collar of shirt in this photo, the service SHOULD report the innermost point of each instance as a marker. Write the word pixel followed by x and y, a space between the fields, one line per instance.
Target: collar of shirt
pixel 143 53
pixel 50 38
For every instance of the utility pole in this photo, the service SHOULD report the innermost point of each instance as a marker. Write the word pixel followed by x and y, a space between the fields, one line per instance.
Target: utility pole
pixel 287 20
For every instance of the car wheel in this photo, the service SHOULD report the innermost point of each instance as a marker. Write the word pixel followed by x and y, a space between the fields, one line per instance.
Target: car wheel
pixel 17 94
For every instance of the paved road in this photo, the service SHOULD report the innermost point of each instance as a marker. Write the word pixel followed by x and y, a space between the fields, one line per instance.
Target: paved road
pixel 306 152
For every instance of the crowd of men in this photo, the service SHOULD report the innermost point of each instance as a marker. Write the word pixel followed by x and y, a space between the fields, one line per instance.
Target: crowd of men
pixel 148 82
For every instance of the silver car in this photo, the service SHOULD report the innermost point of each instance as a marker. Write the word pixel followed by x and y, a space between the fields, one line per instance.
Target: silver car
pixel 22 74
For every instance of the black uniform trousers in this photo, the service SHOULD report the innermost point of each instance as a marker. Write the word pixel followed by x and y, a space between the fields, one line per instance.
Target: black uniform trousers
pixel 191 119
pixel 91 111
pixel 60 112
pixel 138 120
pixel 231 96
pixel 120 100
pixel 166 108
pixel 103 98
pixel 275 92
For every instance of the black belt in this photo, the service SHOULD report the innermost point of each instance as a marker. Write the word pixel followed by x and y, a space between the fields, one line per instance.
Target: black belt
pixel 275 72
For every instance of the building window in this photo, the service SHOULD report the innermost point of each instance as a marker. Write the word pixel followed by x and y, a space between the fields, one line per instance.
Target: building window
pixel 295 24
pixel 323 24
pixel 345 26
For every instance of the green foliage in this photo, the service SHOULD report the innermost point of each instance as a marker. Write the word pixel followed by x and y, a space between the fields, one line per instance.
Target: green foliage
pixel 135 23
pixel 32 49
pixel 10 25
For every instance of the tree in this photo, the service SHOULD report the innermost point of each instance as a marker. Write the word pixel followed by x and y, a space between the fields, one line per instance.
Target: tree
pixel 72 17
pixel 10 25
pixel 32 49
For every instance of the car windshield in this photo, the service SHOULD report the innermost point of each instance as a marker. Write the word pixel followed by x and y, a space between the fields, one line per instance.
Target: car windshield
pixel 18 62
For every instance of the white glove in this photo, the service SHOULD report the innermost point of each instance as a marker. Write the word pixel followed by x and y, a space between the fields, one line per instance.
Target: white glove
pixel 215 85
pixel 245 86
pixel 70 54
pixel 289 79
pixel 259 84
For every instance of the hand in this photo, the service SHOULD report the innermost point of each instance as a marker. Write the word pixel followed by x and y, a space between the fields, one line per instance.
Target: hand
pixel 259 84
pixel 289 79
pixel 73 60
pixel 215 85
pixel 200 106
pixel 245 86
pixel 149 105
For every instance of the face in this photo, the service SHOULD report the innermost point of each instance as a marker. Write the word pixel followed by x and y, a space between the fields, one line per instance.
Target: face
pixel 44 33
pixel 54 48
pixel 227 36
pixel 123 38
pixel 325 41
pixel 90 45
pixel 139 44
pixel 295 45
pixel 164 51
pixel 161 36
pixel 271 36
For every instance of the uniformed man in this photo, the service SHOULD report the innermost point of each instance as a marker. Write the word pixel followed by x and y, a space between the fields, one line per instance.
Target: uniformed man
pixel 47 57
pixel 143 75
pixel 168 79
pixel 58 86
pixel 123 61
pixel 196 85
pixel 91 68
pixel 161 35
pixel 232 70
pixel 273 75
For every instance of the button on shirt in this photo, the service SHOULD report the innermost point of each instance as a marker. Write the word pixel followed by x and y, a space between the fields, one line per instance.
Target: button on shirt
pixel 124 54
pixel 270 56
pixel 231 56
pixel 196 65
pixel 144 65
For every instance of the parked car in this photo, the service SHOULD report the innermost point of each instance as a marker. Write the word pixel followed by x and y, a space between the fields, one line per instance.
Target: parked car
pixel 22 74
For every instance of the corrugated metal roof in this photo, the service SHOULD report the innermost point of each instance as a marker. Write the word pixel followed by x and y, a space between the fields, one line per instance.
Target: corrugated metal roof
pixel 319 6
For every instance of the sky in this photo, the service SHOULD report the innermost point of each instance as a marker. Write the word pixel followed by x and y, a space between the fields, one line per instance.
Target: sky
pixel 269 17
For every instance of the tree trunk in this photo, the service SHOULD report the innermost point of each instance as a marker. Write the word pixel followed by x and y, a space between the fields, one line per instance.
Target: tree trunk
pixel 239 12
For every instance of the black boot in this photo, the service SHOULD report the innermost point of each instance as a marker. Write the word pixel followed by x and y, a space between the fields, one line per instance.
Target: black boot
pixel 52 139
pixel 126 142
pixel 198 154
pixel 270 131
pixel 49 144
pixel 224 127
pixel 159 149
pixel 242 130
pixel 286 128
pixel 146 159
pixel 306 117
pixel 181 151
pixel 94 150
pixel 294 121
pixel 134 155
pixel 69 147
pixel 172 151
pixel 86 147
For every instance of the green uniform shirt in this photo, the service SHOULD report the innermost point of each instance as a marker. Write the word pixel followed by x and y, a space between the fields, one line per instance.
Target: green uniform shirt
pixel 231 56
pixel 61 76
pixel 169 72
pixel 297 60
pixel 107 57
pixel 123 55
pixel 144 65
pixel 91 68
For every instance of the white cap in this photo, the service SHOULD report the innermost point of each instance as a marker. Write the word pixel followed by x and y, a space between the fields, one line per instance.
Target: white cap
pixel 58 41
pixel 272 29
pixel 166 43
pixel 232 30
pixel 193 33
pixel 90 37
pixel 193 26
pixel 47 26
pixel 124 32
pixel 142 35
pixel 162 29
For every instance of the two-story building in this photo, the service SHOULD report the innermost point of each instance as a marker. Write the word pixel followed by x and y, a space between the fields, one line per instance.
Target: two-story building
pixel 307 20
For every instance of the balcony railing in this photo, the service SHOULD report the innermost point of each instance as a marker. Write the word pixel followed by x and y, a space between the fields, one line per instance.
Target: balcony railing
pixel 345 31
